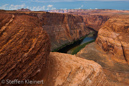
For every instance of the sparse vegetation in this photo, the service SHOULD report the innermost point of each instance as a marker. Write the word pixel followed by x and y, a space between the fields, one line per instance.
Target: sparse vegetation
pixel 57 49
pixel 80 47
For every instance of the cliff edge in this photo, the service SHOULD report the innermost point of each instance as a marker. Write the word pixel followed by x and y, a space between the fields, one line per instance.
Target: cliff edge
pixel 69 70
pixel 24 47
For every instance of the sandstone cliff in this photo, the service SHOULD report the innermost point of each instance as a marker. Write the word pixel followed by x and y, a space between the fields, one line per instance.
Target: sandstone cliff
pixel 113 37
pixel 63 28
pixel 93 18
pixel 24 46
pixel 95 21
pixel 111 50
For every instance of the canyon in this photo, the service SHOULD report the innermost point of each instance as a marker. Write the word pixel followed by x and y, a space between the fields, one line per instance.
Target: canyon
pixel 63 28
pixel 25 48
pixel 27 39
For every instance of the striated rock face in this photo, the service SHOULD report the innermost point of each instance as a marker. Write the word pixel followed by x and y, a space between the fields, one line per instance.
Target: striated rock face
pixel 63 28
pixel 69 70
pixel 4 18
pixel 113 37
pixel 24 46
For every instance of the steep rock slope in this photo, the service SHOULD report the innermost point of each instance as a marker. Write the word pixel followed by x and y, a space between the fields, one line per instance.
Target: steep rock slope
pixel 24 47
pixel 113 37
pixel 4 18
pixel 63 28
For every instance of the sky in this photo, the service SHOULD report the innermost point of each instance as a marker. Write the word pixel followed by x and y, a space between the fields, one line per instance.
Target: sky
pixel 39 5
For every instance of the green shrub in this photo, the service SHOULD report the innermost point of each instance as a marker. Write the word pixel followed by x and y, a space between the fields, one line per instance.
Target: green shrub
pixel 80 47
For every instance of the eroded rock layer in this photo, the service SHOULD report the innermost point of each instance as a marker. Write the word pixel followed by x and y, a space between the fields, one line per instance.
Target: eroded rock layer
pixel 93 18
pixel 24 46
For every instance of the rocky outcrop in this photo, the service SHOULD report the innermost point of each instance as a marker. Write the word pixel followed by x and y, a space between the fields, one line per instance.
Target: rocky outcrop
pixel 69 70
pixel 113 37
pixel 24 47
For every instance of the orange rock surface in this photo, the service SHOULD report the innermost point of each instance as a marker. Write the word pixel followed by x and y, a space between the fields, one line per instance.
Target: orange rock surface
pixel 113 37
pixel 24 46
pixel 111 50
pixel 24 50
pixel 69 70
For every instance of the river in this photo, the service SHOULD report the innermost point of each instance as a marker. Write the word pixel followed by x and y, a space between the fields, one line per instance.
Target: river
pixel 76 45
